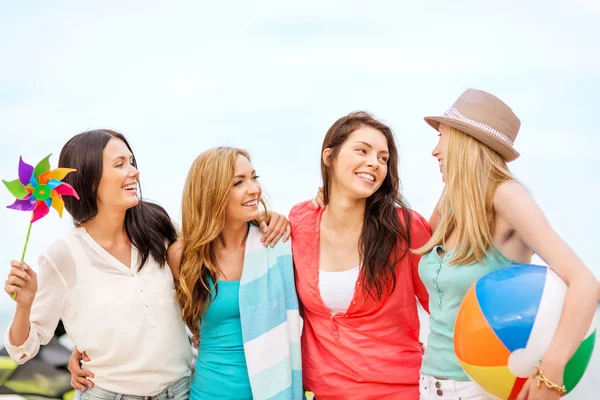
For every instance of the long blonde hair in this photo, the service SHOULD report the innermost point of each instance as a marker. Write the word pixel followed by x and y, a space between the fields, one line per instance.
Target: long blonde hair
pixel 473 173
pixel 204 201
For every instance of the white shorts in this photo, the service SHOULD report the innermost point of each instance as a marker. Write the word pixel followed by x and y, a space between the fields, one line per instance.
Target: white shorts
pixel 431 388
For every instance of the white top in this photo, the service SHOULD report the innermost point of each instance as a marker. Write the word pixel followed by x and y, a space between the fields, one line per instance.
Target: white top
pixel 128 322
pixel 337 288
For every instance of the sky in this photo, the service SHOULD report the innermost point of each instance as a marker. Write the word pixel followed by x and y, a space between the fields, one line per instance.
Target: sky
pixel 180 77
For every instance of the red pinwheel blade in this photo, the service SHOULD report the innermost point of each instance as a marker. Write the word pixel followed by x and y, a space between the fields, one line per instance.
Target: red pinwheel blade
pixel 64 189
pixel 41 210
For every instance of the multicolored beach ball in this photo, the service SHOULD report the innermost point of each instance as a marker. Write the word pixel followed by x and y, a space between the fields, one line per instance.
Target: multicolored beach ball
pixel 505 324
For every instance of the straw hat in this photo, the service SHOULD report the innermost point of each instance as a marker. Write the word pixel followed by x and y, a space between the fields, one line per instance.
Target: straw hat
pixel 484 117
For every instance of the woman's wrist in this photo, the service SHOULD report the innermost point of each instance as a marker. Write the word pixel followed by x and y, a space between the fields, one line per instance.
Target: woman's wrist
pixel 556 359
pixel 543 379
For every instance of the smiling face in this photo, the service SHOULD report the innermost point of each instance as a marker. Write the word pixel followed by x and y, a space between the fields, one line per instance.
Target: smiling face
pixel 361 165
pixel 118 184
pixel 245 193
pixel 440 152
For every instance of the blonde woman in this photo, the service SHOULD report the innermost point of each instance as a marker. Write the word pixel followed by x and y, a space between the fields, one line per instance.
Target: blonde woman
pixel 236 294
pixel 485 220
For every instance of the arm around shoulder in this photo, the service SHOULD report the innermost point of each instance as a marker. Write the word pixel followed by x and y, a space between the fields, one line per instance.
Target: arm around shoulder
pixel 420 235
pixel 436 216
pixel 420 230
pixel 174 257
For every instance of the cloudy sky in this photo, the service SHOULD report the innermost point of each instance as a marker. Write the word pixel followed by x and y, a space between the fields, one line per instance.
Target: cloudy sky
pixel 271 76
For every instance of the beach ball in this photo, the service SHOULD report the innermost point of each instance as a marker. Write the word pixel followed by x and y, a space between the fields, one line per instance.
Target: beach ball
pixel 505 325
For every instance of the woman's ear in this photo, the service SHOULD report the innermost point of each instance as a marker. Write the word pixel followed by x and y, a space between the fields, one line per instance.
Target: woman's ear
pixel 326 156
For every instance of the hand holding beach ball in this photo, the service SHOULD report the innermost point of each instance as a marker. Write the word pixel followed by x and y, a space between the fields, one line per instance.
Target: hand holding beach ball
pixel 505 325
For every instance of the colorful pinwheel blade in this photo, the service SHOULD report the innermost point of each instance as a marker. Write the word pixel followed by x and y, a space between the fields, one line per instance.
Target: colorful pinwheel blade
pixel 35 184
pixel 40 211
pixel 64 189
pixel 16 189
pixel 22 205
pixel 57 174
pixel 52 183
pixel 41 167
pixel 25 171
pixel 57 203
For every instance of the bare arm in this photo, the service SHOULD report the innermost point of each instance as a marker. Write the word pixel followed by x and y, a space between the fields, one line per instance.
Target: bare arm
pixel 436 217
pixel 174 256
pixel 514 203
pixel 420 235
pixel 20 327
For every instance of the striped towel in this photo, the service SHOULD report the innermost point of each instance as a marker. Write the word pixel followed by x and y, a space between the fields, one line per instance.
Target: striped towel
pixel 271 323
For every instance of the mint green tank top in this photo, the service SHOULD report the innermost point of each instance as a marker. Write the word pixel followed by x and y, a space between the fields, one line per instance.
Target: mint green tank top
pixel 447 286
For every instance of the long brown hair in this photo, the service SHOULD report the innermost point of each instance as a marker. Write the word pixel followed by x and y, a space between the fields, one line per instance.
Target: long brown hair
pixel 384 239
pixel 147 225
pixel 474 172
pixel 203 217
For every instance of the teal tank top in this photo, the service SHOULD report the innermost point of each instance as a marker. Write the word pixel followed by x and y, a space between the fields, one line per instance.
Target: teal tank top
pixel 447 285
pixel 221 371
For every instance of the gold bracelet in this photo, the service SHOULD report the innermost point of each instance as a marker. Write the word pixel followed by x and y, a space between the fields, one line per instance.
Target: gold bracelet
pixel 539 375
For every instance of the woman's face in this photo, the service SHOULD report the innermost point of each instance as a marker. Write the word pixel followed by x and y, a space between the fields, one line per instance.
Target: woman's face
pixel 118 184
pixel 245 194
pixel 361 163
pixel 440 151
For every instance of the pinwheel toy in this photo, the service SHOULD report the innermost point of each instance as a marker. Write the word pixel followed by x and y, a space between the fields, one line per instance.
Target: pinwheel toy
pixel 37 189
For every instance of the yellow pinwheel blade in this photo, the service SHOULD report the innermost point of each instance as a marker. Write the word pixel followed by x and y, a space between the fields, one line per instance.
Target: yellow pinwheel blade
pixel 58 174
pixel 57 203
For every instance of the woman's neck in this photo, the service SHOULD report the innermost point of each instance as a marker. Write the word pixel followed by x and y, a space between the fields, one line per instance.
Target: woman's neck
pixel 233 235
pixel 107 226
pixel 343 214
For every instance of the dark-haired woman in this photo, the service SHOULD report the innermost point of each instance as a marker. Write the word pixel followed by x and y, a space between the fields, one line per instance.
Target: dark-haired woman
pixel 108 281
pixel 356 279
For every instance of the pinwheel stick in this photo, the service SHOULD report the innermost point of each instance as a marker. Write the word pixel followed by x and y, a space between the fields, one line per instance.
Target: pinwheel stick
pixel 14 295
pixel 38 189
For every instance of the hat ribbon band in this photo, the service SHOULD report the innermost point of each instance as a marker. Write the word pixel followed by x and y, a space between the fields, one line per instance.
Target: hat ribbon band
pixel 457 115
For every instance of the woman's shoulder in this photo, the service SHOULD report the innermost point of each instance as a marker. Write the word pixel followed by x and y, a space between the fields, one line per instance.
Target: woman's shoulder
pixel 254 244
pixel 304 220
pixel 304 217
pixel 418 224
pixel 62 246
pixel 174 256
pixel 303 212
pixel 62 252
pixel 510 190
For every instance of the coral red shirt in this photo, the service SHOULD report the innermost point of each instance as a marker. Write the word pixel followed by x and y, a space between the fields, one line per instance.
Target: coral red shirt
pixel 372 351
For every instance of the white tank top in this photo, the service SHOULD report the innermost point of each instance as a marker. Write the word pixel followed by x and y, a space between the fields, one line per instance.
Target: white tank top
pixel 337 288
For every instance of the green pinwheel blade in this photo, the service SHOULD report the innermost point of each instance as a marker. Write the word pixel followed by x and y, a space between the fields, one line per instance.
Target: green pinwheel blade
pixel 41 167
pixel 16 188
